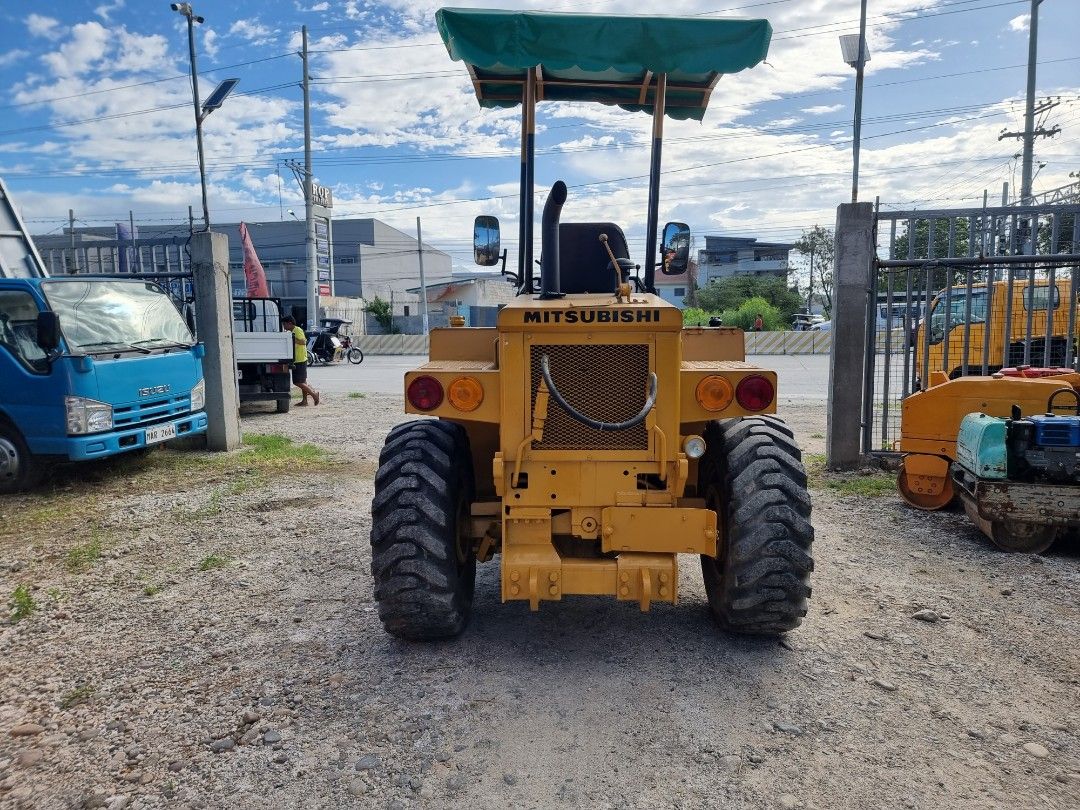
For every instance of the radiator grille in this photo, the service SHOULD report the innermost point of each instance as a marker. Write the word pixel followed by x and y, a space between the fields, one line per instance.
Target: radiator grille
pixel 605 382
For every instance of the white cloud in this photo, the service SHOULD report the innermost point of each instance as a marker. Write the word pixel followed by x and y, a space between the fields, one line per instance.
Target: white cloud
pixel 209 42
pixel 323 6
pixel 11 57
pixel 87 47
pixel 822 109
pixel 41 26
pixel 106 9
pixel 1019 23
pixel 250 30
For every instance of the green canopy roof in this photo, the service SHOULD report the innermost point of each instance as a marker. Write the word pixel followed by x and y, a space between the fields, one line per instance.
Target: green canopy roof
pixel 600 57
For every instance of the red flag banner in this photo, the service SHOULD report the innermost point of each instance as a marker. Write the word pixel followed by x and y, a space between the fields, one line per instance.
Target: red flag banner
pixel 253 269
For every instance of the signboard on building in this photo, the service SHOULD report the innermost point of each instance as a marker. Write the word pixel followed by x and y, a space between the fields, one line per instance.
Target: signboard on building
pixel 324 289
pixel 322 195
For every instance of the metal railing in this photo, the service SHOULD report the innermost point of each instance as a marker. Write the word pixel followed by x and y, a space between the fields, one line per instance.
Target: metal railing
pixel 165 261
pixel 966 292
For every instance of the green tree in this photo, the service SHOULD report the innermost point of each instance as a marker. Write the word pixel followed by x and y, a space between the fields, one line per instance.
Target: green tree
pixel 729 294
pixel 921 249
pixel 380 311
pixel 817 249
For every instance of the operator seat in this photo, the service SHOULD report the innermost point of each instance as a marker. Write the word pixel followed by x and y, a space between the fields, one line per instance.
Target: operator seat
pixel 584 266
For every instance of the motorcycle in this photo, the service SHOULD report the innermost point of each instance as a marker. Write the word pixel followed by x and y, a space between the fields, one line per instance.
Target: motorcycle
pixel 326 348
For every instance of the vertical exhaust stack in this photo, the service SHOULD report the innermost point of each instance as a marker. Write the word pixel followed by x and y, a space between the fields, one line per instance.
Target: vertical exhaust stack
pixel 549 241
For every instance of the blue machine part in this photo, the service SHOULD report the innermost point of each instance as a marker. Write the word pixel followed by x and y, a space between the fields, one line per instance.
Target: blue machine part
pixel 980 446
pixel 1056 431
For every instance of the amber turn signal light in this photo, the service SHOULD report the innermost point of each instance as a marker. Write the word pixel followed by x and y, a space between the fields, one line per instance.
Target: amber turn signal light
pixel 465 394
pixel 714 393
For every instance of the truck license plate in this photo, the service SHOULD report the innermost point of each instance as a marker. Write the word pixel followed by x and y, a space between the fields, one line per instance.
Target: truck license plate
pixel 160 434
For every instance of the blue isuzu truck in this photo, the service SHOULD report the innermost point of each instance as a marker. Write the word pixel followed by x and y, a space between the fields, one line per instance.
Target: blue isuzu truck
pixel 89 366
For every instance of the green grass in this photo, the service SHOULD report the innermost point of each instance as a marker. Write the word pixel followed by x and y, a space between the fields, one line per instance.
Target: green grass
pixel 78 695
pixel 817 435
pixel 213 561
pixel 247 481
pixel 357 395
pixel 151 590
pixel 82 556
pixel 874 484
pixel 273 450
pixel 22 603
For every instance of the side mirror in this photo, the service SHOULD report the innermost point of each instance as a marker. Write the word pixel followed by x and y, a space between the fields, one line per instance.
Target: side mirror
pixel 675 248
pixel 48 331
pixel 487 247
pixel 189 317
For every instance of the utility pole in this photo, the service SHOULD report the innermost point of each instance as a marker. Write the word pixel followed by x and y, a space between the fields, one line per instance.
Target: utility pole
pixel 1030 132
pixel 860 69
pixel 423 281
pixel 810 291
pixel 191 220
pixel 309 238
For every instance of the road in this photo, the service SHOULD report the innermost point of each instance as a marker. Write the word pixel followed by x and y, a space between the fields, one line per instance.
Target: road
pixel 801 377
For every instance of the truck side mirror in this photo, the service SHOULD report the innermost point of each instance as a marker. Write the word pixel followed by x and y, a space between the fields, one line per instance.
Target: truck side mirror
pixel 189 317
pixel 48 331
pixel 487 247
pixel 675 249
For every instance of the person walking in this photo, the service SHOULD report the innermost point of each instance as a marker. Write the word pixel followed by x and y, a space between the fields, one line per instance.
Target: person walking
pixel 300 358
pixel 758 323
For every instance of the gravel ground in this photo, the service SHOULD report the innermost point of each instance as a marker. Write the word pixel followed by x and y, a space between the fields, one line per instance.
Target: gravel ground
pixel 203 635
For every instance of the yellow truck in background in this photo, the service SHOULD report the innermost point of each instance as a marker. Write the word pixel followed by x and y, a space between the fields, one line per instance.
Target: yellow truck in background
pixel 990 308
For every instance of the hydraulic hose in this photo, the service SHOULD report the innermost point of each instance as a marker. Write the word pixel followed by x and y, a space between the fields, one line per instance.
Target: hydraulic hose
pixel 650 402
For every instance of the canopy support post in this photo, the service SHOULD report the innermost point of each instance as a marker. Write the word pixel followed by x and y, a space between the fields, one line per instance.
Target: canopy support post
pixel 525 204
pixel 654 182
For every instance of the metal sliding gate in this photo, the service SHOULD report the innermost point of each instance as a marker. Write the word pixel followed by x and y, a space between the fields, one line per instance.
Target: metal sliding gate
pixel 965 292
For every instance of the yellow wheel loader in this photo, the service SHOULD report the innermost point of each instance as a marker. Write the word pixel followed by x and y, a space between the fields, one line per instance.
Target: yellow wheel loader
pixel 588 439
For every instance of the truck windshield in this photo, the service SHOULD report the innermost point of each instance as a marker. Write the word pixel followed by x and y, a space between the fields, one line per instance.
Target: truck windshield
pixel 106 314
pixel 957 311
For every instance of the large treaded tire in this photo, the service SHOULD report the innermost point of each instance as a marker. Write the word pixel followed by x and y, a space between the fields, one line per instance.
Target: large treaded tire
pixel 423 567
pixel 752 475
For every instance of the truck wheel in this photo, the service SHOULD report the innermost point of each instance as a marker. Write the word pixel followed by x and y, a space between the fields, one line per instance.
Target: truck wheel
pixel 1022 538
pixel 422 560
pixel 284 404
pixel 19 468
pixel 753 478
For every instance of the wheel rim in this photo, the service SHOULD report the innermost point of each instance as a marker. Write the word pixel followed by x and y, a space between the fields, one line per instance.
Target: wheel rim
pixel 9 460
pixel 922 500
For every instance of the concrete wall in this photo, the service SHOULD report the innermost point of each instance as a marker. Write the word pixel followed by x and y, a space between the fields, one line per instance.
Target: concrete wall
pixel 761 343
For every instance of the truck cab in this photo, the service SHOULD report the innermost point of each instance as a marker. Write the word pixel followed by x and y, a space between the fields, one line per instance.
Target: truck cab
pixel 92 367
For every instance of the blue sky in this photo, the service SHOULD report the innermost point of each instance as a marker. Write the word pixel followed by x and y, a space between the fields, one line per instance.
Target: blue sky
pixel 97 116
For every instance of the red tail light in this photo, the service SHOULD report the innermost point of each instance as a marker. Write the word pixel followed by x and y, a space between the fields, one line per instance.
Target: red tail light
pixel 754 393
pixel 425 393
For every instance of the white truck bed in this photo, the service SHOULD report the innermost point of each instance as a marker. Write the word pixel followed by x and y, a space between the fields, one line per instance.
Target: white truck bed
pixel 263 347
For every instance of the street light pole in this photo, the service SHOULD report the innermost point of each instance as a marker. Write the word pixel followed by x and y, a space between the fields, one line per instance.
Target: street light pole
pixel 192 18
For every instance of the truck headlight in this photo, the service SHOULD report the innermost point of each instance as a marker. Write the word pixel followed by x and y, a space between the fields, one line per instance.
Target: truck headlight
pixel 198 396
pixel 87 415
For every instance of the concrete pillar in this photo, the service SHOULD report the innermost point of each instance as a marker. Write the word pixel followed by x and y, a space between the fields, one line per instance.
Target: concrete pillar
pixel 851 278
pixel 213 318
